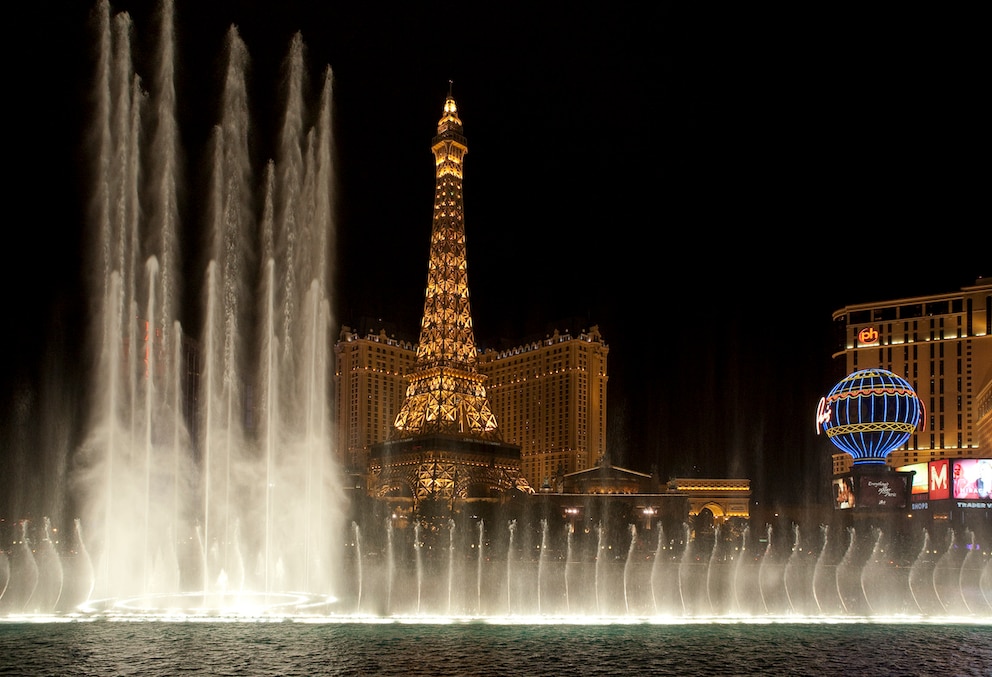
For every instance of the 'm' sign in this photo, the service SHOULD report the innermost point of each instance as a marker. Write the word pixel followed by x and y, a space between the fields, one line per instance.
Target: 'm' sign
pixel 939 486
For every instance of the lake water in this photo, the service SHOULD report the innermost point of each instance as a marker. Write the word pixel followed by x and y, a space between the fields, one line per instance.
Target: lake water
pixel 320 646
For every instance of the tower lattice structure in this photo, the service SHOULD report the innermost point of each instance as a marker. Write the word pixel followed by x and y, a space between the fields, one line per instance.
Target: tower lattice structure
pixel 445 444
pixel 446 393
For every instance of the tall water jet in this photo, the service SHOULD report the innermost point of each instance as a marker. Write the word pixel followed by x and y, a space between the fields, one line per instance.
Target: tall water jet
pixel 600 562
pixel 359 574
pixel 799 572
pixel 390 564
pixel 451 563
pixel 569 540
pixel 747 581
pixel 947 573
pixel 770 577
pixel 714 594
pixel 921 578
pixel 479 570
pixel 22 575
pixel 418 546
pixel 973 568
pixel 509 567
pixel 883 578
pixel 825 591
pixel 849 586
pixel 542 558
pixel 656 565
pixel 235 465
pixel 628 562
pixel 4 573
pixel 48 589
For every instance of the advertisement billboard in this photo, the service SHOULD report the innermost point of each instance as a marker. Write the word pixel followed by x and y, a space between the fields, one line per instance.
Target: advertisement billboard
pixel 871 490
pixel 971 478
pixel 882 491
pixel 843 488
pixel 921 478
pixel 930 481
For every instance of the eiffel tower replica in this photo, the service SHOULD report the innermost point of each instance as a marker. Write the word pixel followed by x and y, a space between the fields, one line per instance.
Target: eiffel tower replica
pixel 445 446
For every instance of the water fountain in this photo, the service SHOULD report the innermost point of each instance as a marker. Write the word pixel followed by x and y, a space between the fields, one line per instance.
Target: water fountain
pixel 221 497
pixel 206 467
pixel 501 568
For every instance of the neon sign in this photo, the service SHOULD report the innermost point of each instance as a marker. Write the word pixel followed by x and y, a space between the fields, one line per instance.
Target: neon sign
pixel 939 485
pixel 870 413
pixel 822 414
pixel 868 335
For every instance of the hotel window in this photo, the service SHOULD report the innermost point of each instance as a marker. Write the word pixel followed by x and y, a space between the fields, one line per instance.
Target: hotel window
pixel 885 314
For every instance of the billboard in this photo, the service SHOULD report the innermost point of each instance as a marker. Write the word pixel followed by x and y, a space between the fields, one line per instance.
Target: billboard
pixel 843 493
pixel 931 481
pixel 882 491
pixel 971 478
pixel 871 490
pixel 920 478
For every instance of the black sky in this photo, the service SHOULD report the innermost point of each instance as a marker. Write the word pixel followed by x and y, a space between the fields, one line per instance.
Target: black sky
pixel 706 183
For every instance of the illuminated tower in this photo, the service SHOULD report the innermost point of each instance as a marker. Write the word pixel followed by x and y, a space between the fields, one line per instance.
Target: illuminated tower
pixel 446 392
pixel 445 444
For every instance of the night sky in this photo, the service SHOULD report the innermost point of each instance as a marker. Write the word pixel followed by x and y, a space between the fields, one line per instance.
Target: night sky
pixel 707 184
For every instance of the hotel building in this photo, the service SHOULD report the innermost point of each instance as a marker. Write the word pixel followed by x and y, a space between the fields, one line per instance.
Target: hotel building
pixel 549 397
pixel 942 345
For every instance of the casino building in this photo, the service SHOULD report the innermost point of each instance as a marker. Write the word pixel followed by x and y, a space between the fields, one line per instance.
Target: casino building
pixel 548 396
pixel 942 346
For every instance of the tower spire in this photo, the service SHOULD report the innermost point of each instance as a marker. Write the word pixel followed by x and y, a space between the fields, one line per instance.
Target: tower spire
pixel 445 392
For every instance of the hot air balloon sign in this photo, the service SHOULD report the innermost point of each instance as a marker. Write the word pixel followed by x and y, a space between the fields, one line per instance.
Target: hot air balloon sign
pixel 869 413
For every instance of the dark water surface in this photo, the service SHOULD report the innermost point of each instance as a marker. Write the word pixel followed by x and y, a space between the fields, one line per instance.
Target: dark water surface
pixel 288 647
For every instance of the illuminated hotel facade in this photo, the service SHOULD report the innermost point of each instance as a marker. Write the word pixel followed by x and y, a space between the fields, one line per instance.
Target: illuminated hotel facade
pixel 549 397
pixel 942 345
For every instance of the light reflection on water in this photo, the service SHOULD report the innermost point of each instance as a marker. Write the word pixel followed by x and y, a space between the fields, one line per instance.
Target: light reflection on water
pixel 326 646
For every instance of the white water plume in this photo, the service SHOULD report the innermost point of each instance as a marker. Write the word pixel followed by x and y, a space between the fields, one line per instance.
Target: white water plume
pixel 211 451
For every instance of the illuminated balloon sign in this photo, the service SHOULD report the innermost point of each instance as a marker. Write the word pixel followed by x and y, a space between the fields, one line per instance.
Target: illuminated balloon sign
pixel 869 413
